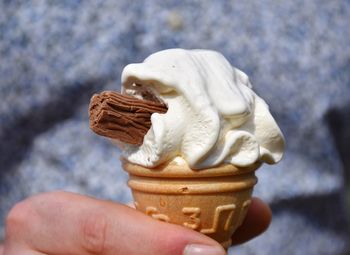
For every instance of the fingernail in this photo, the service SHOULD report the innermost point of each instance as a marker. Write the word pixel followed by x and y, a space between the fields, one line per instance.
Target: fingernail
pixel 201 249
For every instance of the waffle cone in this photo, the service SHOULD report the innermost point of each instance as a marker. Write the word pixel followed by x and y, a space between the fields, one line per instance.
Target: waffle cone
pixel 211 201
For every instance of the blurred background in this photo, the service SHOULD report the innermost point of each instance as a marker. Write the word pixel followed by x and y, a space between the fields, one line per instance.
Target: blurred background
pixel 55 54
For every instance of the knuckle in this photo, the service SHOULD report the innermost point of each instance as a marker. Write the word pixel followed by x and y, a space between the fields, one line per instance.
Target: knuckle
pixel 27 212
pixel 18 218
pixel 93 229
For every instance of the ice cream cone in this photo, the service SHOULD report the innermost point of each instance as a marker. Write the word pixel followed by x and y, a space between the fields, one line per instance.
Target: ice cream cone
pixel 211 201
pixel 194 104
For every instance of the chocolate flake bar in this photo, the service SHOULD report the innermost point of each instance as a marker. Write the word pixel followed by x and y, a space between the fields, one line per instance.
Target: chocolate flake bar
pixel 122 117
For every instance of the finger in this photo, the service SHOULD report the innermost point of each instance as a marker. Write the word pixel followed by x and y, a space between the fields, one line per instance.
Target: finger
pixel 1 249
pixel 257 220
pixel 66 223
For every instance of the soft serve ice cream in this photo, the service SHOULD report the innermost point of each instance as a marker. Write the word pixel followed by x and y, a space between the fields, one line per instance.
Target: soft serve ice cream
pixel 213 117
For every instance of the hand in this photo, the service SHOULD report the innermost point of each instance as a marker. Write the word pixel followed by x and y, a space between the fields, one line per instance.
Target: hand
pixel 62 223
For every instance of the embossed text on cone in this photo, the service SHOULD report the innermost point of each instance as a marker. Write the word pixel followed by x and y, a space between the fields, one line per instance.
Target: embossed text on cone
pixel 211 201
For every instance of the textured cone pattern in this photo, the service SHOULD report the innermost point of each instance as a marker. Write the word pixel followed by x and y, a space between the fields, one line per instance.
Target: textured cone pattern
pixel 212 201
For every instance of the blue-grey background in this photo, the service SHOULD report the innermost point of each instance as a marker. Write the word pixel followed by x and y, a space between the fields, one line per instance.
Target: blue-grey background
pixel 55 54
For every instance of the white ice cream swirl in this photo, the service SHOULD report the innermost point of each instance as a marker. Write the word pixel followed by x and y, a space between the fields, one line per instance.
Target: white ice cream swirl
pixel 213 115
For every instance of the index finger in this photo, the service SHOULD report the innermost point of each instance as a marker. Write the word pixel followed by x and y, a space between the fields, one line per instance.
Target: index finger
pixel 66 223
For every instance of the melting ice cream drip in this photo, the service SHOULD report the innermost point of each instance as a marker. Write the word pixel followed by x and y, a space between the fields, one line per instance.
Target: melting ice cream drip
pixel 213 115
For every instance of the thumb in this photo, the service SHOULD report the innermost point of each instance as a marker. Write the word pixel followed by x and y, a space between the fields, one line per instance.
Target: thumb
pixel 67 223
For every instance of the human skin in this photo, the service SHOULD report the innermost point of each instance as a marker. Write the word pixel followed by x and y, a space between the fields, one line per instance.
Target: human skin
pixel 63 223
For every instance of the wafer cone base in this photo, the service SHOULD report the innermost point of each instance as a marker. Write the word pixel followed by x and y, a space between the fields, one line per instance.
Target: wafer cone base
pixel 211 201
